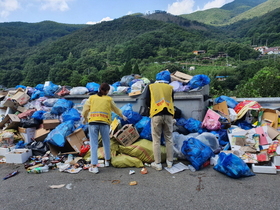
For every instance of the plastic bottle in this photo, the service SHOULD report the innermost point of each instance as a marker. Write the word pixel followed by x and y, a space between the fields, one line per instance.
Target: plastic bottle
pixel 192 169
pixel 70 158
pixel 39 170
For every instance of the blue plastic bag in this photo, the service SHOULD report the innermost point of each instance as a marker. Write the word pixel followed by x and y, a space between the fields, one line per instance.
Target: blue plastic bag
pixel 198 81
pixel 164 75
pixel 146 133
pixel 58 135
pixel 37 94
pixel 196 152
pixel 71 114
pixel 39 115
pixel 20 86
pixel 39 87
pixel 193 125
pixel 232 166
pixel 132 117
pixel 231 103
pixel 92 87
pixel 61 105
pixel 116 85
pixel 50 88
pixel 142 123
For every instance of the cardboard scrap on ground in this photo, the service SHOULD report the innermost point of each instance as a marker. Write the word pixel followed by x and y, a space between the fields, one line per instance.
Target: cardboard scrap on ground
pixel 177 168
pixel 57 186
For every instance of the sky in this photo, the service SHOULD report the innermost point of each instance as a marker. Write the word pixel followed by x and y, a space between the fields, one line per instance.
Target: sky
pixel 95 11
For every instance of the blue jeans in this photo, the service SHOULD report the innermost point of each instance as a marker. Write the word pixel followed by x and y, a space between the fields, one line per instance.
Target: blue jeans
pixel 104 130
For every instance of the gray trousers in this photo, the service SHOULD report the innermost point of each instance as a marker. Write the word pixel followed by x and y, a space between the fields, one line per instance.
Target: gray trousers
pixel 162 124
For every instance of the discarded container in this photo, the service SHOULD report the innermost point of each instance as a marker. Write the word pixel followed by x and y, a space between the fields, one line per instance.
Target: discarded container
pixel 133 183
pixel 144 171
pixel 39 170
pixel 11 175
pixel 192 169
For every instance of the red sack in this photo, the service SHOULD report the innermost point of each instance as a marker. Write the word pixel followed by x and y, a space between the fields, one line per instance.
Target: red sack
pixel 84 149
pixel 64 91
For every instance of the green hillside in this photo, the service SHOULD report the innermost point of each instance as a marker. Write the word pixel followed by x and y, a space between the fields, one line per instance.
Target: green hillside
pixel 213 16
pixel 257 11
pixel 222 16
pixel 18 40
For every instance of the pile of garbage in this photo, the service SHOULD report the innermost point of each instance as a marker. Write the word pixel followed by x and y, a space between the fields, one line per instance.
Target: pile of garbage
pixel 238 139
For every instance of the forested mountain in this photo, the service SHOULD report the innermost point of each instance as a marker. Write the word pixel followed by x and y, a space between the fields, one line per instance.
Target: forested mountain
pixel 18 40
pixel 76 54
pixel 258 31
pixel 233 12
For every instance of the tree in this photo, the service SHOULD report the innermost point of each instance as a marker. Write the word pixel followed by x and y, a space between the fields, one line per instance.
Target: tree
pixel 75 79
pixel 127 68
pixel 136 69
pixel 264 84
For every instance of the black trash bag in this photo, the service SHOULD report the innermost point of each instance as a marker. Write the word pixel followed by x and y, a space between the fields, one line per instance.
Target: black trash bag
pixel 178 113
pixel 38 148
pixel 30 123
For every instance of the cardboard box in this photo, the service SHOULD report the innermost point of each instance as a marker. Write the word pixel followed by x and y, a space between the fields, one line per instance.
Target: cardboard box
pixel 18 155
pixel 4 150
pixel 11 121
pixel 222 107
pixel 181 77
pixel 135 93
pixel 27 134
pixel 270 117
pixel 41 134
pixel 21 97
pixel 264 169
pixel 126 135
pixel 8 102
pixel 76 139
pixel 72 145
pixel 22 109
pixel 50 124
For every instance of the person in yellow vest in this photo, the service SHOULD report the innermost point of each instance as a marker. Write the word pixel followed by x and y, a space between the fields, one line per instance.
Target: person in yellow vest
pixel 97 112
pixel 160 100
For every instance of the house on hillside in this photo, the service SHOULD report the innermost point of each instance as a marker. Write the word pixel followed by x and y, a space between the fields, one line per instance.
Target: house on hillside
pixel 199 52
pixel 261 49
pixel 272 50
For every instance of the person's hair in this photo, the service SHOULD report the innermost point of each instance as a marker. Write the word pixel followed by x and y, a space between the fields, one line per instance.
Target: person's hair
pixel 104 87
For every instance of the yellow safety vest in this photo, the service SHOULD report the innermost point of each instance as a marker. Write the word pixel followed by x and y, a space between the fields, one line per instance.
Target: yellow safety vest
pixel 161 97
pixel 100 109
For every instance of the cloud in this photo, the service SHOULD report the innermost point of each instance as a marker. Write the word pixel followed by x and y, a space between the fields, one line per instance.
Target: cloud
pixel 61 5
pixel 104 19
pixel 7 6
pixel 181 7
pixel 216 4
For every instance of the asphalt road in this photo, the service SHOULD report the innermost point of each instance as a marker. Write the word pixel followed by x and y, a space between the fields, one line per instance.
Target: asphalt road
pixel 110 189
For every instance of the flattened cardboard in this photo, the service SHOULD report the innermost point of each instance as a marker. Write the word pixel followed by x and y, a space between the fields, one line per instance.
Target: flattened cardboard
pixel 222 107
pixel 50 124
pixel 41 134
pixel 135 93
pixel 181 77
